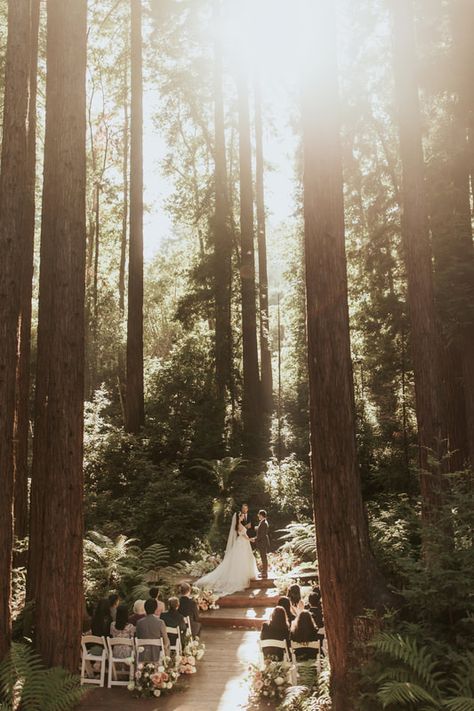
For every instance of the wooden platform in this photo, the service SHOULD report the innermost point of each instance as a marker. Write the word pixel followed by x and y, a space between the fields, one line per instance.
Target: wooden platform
pixel 219 685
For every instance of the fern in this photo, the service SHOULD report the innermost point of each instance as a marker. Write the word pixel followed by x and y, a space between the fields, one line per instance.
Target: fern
pixel 417 659
pixel 26 684
pixel 460 704
pixel 404 693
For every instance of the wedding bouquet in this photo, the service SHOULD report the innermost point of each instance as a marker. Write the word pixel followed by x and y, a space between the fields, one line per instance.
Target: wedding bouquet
pixel 154 678
pixel 206 599
pixel 270 683
pixel 193 652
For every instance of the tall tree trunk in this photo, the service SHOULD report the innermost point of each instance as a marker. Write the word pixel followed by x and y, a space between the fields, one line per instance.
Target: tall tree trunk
pixel 134 402
pixel 462 17
pixel 417 253
pixel 13 215
pixel 350 582
pixel 22 421
pixel 265 353
pixel 222 236
pixel 251 400
pixel 56 528
pixel 123 241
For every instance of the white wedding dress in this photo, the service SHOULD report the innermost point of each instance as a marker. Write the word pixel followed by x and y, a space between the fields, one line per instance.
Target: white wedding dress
pixel 237 568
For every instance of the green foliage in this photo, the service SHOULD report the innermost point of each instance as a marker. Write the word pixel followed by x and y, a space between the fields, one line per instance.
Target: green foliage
pixel 106 563
pixel 416 676
pixel 26 684
pixel 300 538
pixel 128 494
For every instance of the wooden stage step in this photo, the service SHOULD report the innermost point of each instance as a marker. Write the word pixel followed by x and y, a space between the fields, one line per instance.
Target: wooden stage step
pixel 228 617
pixel 256 597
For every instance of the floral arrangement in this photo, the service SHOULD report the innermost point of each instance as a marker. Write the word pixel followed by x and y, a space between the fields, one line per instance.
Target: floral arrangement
pixel 206 599
pixel 154 678
pixel 193 652
pixel 270 683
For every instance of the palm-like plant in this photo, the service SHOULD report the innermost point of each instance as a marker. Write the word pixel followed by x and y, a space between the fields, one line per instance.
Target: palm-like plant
pixel 413 678
pixel 107 562
pixel 25 683
pixel 301 538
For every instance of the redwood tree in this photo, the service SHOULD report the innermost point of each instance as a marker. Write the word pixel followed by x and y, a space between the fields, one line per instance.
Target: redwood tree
pixel 222 234
pixel 265 353
pixel 350 582
pixel 22 420
pixel 134 400
pixel 56 529
pixel 251 398
pixel 13 180
pixel 425 345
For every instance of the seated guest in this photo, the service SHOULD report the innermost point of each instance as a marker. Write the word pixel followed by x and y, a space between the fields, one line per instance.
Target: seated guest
pixel 121 627
pixel 315 608
pixel 101 619
pixel 286 604
pixel 155 594
pixel 138 612
pixel 188 608
pixel 294 595
pixel 276 628
pixel 303 630
pixel 151 627
pixel 173 618
pixel 113 603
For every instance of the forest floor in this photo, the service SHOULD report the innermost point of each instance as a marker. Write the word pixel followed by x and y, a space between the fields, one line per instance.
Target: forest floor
pixel 219 684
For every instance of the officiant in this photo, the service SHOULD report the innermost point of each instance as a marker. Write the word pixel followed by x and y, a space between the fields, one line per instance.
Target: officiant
pixel 246 520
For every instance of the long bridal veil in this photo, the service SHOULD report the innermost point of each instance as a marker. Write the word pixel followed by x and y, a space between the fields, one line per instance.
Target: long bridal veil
pixel 232 537
pixel 237 567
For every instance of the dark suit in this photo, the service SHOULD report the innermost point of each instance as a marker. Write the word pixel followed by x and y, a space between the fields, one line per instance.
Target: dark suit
pixel 188 608
pixel 262 544
pixel 173 618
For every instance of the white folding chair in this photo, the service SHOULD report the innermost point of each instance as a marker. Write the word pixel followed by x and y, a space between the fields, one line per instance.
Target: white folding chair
pixel 88 659
pixel 275 643
pixel 177 646
pixel 140 648
pixel 188 624
pixel 307 645
pixel 115 661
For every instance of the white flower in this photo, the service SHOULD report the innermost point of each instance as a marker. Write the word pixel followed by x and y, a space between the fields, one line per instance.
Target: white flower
pixel 131 686
pixel 169 685
pixel 157 692
pixel 161 669
pixel 279 681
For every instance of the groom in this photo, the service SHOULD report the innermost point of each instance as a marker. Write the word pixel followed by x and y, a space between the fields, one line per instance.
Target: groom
pixel 262 542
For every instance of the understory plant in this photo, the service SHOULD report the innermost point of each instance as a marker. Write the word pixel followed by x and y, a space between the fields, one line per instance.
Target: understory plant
pixel 27 685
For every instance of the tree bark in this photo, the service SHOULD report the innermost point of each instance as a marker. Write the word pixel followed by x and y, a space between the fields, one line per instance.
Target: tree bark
pixel 134 401
pixel 123 241
pixel 425 343
pixel 462 16
pixel 350 582
pixel 265 353
pixel 222 236
pixel 13 180
pixel 56 528
pixel 22 420
pixel 251 398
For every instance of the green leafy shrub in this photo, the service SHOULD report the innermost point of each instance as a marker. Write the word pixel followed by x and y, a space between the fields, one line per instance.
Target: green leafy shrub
pixel 25 683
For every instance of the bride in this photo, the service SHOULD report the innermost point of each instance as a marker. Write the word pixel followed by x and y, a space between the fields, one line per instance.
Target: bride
pixel 238 566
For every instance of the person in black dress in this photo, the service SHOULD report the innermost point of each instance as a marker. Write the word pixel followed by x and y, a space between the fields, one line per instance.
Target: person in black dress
pixel 286 604
pixel 303 631
pixel 276 628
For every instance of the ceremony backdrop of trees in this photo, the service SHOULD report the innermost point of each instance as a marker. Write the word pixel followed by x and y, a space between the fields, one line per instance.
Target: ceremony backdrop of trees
pixel 333 351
